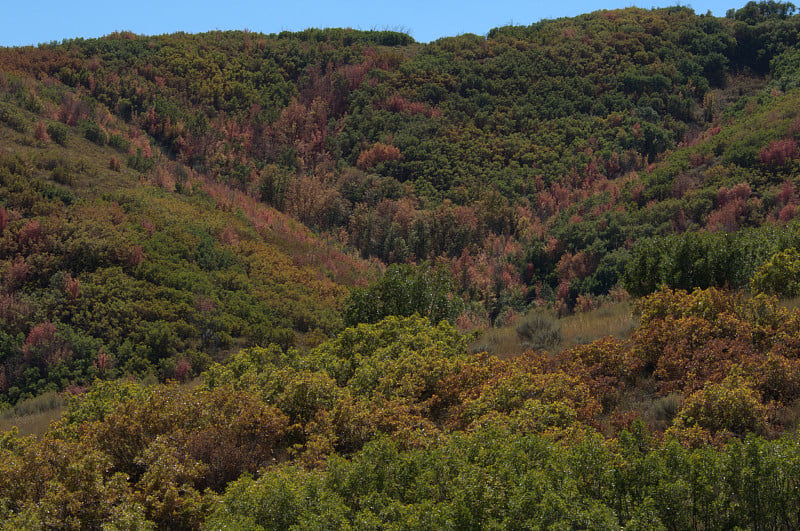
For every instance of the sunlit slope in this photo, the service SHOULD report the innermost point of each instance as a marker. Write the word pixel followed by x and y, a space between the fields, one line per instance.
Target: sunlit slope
pixel 110 268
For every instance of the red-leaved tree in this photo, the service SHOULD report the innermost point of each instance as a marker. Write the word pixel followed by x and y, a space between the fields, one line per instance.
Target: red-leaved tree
pixel 779 152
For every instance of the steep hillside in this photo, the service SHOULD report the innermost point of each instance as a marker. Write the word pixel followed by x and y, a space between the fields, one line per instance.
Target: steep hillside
pixel 267 213
pixel 524 159
pixel 110 268
pixel 191 170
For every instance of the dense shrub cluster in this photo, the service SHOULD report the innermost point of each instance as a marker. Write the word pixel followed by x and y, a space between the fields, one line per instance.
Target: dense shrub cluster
pixel 537 167
pixel 718 259
pixel 396 424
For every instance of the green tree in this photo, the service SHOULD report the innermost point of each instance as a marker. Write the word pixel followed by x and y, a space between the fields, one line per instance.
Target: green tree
pixel 780 275
pixel 404 290
pixel 58 132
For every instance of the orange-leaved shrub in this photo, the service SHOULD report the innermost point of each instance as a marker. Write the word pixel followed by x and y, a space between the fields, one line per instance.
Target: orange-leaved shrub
pixel 379 152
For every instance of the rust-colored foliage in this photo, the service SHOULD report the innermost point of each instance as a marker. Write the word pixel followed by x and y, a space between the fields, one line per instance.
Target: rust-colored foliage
pixel 72 286
pixel 690 340
pixel 574 266
pixel 135 255
pixel 40 132
pixel 607 365
pixel 14 311
pixel 30 234
pixel 104 361
pixel 788 193
pixel 397 103
pixel 16 273
pixel 73 110
pixel 779 152
pixel 43 347
pixel 733 207
pixel 224 433
pixel 787 213
pixel 40 335
pixel 379 152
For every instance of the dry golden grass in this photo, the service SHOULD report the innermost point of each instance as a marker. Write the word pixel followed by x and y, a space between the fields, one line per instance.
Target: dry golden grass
pixel 502 342
pixel 791 304
pixel 610 319
pixel 33 416
pixel 34 424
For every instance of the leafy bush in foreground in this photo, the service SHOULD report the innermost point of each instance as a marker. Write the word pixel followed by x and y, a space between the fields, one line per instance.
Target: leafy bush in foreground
pixel 780 275
pixel 396 425
pixel 500 480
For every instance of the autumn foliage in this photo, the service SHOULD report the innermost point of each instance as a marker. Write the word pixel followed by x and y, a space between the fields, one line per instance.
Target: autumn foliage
pixel 404 387
pixel 376 154
pixel 278 234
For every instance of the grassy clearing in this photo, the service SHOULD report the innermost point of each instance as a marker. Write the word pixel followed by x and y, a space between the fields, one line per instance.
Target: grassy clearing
pixel 34 424
pixel 791 304
pixel 33 416
pixel 610 319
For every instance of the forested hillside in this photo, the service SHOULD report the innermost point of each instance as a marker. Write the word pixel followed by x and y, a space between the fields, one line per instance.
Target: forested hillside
pixel 216 245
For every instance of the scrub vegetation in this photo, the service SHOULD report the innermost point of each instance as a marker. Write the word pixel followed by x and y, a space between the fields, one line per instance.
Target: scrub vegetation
pixel 542 278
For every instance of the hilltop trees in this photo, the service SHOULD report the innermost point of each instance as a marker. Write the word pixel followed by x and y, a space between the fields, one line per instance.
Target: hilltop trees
pixel 508 156
pixel 543 165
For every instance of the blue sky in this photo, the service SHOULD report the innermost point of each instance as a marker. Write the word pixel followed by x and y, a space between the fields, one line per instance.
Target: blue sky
pixel 24 23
